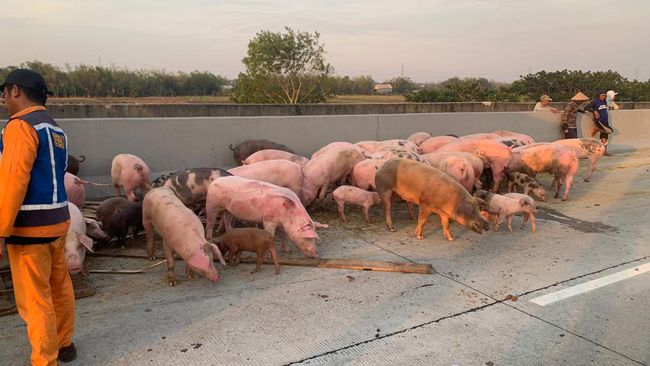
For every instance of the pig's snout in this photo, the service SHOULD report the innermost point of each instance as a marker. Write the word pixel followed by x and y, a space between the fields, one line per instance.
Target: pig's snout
pixel 214 278
pixel 311 252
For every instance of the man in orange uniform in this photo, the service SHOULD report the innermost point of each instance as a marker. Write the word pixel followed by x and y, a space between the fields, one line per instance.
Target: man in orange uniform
pixel 34 217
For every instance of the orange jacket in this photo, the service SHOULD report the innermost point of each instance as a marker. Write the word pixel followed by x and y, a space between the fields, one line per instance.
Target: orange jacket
pixel 20 145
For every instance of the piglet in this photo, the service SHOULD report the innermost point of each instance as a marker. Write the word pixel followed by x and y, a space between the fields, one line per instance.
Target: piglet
pixel 76 241
pixel 529 210
pixel 506 206
pixel 357 196
pixel 182 233
pixel 121 220
pixel 129 172
pixel 254 240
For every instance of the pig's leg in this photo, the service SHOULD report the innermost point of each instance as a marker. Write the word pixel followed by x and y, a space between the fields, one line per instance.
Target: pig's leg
pixel 409 205
pixel 498 221
pixel 444 220
pixel 341 205
pixel 423 215
pixel 169 255
pixel 366 210
pixel 525 220
pixel 210 220
pixel 227 220
pixel 274 257
pixel 557 187
pixel 387 202
pixel 497 180
pixel 261 253
pixel 533 221
pixel 189 274
pixel 270 227
pixel 567 187
pixel 509 218
pixel 322 193
pixel 148 229
pixel 238 256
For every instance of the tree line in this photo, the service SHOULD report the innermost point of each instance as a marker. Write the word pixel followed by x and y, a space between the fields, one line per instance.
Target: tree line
pixel 98 81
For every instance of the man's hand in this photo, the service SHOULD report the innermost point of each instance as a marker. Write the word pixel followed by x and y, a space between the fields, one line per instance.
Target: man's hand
pixel 596 115
pixel 555 110
pixel 2 247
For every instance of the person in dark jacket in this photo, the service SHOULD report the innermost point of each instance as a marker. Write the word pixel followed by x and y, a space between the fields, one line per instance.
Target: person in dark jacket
pixel 598 107
pixel 570 116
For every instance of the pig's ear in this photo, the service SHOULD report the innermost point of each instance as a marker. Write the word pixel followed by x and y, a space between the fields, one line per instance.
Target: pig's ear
pixel 523 201
pixel 217 252
pixel 86 242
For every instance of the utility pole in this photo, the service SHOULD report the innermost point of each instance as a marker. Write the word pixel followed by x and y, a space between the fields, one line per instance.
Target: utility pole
pixel 100 61
pixel 402 72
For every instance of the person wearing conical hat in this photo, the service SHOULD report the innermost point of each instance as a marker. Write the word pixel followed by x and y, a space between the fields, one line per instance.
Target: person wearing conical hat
pixel 569 126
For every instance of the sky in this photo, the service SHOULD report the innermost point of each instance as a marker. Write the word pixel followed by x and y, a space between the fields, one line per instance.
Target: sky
pixel 433 40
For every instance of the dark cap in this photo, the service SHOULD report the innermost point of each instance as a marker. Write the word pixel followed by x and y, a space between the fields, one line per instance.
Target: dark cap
pixel 27 79
pixel 601 92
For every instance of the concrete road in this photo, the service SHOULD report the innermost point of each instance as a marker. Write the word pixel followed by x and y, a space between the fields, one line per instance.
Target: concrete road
pixel 460 315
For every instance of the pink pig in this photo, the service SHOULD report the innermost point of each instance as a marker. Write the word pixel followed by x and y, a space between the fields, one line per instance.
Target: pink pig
pixel 363 173
pixel 507 205
pixel 272 154
pixel 591 149
pixel 76 241
pixel 419 137
pixel 332 166
pixel 498 155
pixel 458 167
pixel 130 172
pixel 434 143
pixel 527 140
pixel 336 145
pixel 282 173
pixel 357 196
pixel 75 190
pixel 547 158
pixel 476 159
pixel 260 202
pixel 182 233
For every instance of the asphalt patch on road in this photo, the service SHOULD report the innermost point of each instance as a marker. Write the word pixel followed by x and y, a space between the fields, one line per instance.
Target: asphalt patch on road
pixel 547 213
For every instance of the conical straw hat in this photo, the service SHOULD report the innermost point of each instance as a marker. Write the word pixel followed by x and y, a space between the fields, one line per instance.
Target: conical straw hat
pixel 580 97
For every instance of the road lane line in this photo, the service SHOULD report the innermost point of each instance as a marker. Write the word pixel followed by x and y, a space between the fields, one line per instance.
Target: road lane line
pixel 591 285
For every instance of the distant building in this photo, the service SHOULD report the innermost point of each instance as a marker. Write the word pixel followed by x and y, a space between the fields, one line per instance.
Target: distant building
pixel 383 89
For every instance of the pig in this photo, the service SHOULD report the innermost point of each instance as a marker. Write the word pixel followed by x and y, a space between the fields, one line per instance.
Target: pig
pixel 529 210
pixel 130 172
pixel 388 153
pixel 591 149
pixel 460 168
pixel 400 145
pixel 332 166
pixel 94 231
pixel 369 146
pixel 106 209
pixel 191 185
pixel 508 141
pixel 434 143
pixel 419 137
pixel 431 189
pixel 282 173
pixel 271 154
pixel 476 159
pixel 253 240
pixel 551 158
pixel 260 202
pixel 525 139
pixel 182 233
pixel 363 173
pixel 75 190
pixel 76 241
pixel 120 221
pixel 160 181
pixel 497 155
pixel 335 145
pixel 73 164
pixel 528 184
pixel 357 196
pixel 507 205
pixel 249 147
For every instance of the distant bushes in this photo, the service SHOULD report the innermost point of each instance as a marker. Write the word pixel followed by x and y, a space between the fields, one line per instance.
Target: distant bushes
pixel 98 81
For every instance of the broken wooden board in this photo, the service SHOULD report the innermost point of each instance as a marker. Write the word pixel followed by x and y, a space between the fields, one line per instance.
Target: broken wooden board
pixel 354 264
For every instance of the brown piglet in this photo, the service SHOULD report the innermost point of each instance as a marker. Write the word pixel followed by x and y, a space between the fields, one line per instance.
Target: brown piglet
pixel 254 240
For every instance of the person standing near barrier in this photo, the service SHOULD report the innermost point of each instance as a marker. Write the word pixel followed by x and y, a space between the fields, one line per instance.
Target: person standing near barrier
pixel 598 107
pixel 544 105
pixel 34 217
pixel 611 104
pixel 570 116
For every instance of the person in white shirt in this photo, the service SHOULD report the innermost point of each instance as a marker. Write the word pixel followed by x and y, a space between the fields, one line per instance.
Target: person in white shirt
pixel 544 105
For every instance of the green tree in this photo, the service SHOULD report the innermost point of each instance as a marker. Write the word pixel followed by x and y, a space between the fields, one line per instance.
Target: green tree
pixel 286 68
pixel 401 85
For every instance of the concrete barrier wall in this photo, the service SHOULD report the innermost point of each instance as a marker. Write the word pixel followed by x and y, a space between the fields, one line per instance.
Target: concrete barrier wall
pixel 135 110
pixel 168 144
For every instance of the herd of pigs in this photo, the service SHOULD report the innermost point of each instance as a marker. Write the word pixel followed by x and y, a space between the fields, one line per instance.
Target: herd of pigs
pixel 269 191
